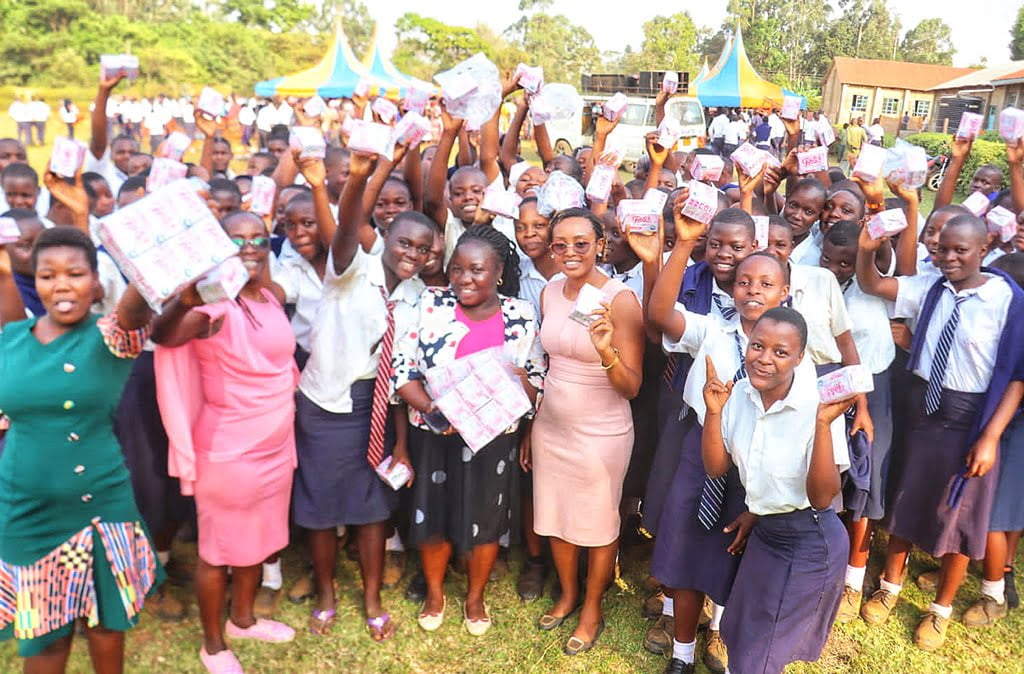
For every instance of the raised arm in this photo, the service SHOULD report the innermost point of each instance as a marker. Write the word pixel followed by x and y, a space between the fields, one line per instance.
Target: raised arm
pixel 662 312
pixel 132 310
pixel 659 106
pixel 717 461
pixel 98 118
pixel 648 248
pixel 73 196
pixel 543 141
pixel 748 187
pixel 868 277
pixel 602 127
pixel 412 168
pixel 434 205
pixel 1015 160
pixel 822 474
pixel 489 147
pixel 510 145
pixel 466 155
pixel 208 127
pixel 959 148
pixel 11 307
pixel 178 324
pixel 367 233
pixel 316 176
pixel 345 242
pixel 906 244
pixel 658 155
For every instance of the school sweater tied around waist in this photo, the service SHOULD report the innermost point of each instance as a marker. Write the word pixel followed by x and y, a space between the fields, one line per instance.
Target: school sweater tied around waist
pixel 695 295
pixel 1009 364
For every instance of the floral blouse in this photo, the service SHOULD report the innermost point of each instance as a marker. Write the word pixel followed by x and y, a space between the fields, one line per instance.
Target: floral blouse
pixel 435 339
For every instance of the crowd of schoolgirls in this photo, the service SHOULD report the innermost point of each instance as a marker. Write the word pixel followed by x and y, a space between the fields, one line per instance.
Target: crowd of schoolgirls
pixel 686 394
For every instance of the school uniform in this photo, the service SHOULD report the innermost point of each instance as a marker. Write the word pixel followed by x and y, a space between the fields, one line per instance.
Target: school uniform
pixel 532 282
pixel 816 295
pixel 335 483
pixel 808 251
pixel 114 176
pixel 1008 508
pixel 985 353
pixel 633 277
pixel 700 294
pixel 787 590
pixel 304 289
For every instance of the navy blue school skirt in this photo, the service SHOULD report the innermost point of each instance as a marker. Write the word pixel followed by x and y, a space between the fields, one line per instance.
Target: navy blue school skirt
pixel 1008 509
pixel 671 430
pixel 787 591
pixel 880 408
pixel 140 431
pixel 334 483
pixel 934 453
pixel 686 555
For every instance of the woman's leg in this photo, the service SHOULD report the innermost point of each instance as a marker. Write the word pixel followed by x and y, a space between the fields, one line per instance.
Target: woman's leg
pixel 371 564
pixel 1012 540
pixel 599 575
pixel 211 588
pixel 996 549
pixel 481 560
pixel 106 650
pixel 323 551
pixel 860 542
pixel 566 556
pixel 244 582
pixel 686 608
pixel 434 557
pixel 896 560
pixel 52 660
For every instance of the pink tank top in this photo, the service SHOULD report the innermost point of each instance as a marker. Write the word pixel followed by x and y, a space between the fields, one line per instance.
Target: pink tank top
pixel 484 334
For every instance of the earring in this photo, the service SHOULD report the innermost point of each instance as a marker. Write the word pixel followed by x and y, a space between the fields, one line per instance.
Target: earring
pixel 500 281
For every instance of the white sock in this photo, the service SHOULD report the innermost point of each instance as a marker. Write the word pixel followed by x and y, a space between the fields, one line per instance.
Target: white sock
pixel 855 577
pixel 164 556
pixel 941 611
pixel 340 529
pixel 684 652
pixel 503 540
pixel 890 587
pixel 995 589
pixel 668 606
pixel 716 617
pixel 272 575
pixel 394 544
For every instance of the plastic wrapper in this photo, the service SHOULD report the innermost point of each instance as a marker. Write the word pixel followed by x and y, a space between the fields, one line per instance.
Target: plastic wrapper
pixel 588 301
pixel 211 102
pixel 164 171
pixel 977 203
pixel 887 223
pixel 411 129
pixel 748 158
pixel 706 167
pixel 638 216
pixel 372 138
pixel 670 82
pixel 614 107
pixel 812 161
pixel 112 65
pixel 501 202
pixel 906 164
pixel 1011 124
pixel 314 107
pixel 175 146
pixel 870 163
pixel 9 231
pixel 599 187
pixel 416 100
pixel 702 204
pixel 1002 222
pixel 471 90
pixel 362 88
pixel 844 383
pixel 261 195
pixel 558 193
pixel 970 125
pixel 555 102
pixel 790 107
pixel 396 476
pixel 531 78
pixel 669 132
pixel 761 231
pixel 67 156
pixel 656 198
pixel 825 134
pixel 223 282
pixel 309 141
pixel 385 109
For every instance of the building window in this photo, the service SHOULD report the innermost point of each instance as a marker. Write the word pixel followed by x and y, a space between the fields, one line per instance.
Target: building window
pixel 1011 100
pixel 922 108
pixel 859 103
pixel 891 106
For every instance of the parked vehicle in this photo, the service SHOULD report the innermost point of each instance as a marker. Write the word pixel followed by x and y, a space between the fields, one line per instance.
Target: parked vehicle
pixel 936 171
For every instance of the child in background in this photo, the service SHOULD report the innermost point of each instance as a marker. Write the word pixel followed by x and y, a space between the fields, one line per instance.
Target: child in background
pixel 30 227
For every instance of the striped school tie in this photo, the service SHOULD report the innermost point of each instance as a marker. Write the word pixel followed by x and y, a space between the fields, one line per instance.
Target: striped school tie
pixel 727 312
pixel 381 388
pixel 933 394
pixel 709 510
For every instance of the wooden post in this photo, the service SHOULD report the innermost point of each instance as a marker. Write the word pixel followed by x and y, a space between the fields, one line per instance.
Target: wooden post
pixel 945 125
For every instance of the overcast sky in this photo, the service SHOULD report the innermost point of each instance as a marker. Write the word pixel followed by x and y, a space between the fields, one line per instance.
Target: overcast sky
pixel 980 27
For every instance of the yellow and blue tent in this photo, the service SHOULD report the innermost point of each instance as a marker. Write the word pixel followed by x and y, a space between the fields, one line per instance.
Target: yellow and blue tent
pixel 383 74
pixel 734 83
pixel 336 75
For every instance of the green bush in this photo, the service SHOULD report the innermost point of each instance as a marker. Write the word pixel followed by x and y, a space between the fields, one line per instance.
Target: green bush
pixel 933 143
pixel 991 135
pixel 982 152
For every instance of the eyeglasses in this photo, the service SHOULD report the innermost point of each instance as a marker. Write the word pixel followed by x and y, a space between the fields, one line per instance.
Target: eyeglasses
pixel 578 247
pixel 259 243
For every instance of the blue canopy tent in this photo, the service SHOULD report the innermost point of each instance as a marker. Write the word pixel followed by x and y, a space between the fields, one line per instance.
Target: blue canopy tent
pixel 735 84
pixel 385 76
pixel 336 75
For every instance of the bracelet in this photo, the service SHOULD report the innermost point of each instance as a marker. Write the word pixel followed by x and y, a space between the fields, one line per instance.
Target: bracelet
pixel 614 362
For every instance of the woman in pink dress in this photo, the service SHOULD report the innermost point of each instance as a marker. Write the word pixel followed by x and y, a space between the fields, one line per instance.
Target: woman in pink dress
pixel 583 434
pixel 226 384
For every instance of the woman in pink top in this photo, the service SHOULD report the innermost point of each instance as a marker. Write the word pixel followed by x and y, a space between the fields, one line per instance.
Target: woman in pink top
pixel 225 383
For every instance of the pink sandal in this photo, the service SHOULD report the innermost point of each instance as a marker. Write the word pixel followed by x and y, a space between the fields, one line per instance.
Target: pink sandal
pixel 223 662
pixel 261 630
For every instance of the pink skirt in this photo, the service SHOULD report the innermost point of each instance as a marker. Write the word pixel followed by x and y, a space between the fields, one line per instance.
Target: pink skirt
pixel 242 506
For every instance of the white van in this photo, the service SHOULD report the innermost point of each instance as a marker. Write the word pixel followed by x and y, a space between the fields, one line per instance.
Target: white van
pixel 636 122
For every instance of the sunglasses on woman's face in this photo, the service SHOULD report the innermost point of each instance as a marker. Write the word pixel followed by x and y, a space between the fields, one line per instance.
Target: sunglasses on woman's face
pixel 258 243
pixel 578 247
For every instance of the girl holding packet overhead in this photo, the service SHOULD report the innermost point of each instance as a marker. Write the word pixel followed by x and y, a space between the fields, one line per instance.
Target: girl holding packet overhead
pixel 789 453
pixel 461 499
pixel 968 358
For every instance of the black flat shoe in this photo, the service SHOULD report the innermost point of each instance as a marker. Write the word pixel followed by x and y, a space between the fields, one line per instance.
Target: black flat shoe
pixel 677 666
pixel 1012 598
pixel 575 645
pixel 416 591
pixel 549 622
pixel 532 579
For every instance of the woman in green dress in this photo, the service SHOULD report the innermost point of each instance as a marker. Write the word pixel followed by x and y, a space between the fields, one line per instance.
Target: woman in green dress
pixel 72 543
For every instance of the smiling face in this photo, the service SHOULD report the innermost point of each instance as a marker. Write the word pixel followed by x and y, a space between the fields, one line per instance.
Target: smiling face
pixel 616 251
pixel 249 233
pixel 102 204
pixel 435 261
pixel 727 245
pixel 932 228
pixel 20 192
pixel 759 286
pixel 532 231
pixel 802 209
pixel 466 189
pixel 407 248
pixel 987 180
pixel 394 198
pixel 840 260
pixel 225 202
pixel 960 252
pixel 66 284
pixel 530 179
pixel 841 206
pixel 575 245
pixel 301 229
pixel 121 150
pixel 772 355
pixel 473 273
pixel 221 156
pixel 780 242
pixel 277 146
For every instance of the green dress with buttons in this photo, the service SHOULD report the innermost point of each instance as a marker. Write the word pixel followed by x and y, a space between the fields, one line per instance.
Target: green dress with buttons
pixel 72 543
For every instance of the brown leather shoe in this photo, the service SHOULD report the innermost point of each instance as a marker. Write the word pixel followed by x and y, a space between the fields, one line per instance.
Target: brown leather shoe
pixel 394 568
pixel 928 581
pixel 716 657
pixel 652 606
pixel 984 612
pixel 849 605
pixel 168 607
pixel 303 589
pixel 658 639
pixel 705 613
pixel 931 632
pixel 266 602
pixel 876 610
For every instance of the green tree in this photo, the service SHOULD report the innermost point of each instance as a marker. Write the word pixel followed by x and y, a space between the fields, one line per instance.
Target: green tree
pixel 930 41
pixel 426 45
pixel 277 15
pixel 355 20
pixel 1017 36
pixel 669 44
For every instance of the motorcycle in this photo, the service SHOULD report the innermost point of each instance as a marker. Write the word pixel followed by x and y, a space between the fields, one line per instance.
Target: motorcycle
pixel 937 166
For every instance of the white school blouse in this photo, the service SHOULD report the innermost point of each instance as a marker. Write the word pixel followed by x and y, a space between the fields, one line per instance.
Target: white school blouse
pixel 114 176
pixel 772 448
pixel 532 282
pixel 871 332
pixel 302 287
pixel 818 298
pixel 976 340
pixel 808 251
pixel 632 278
pixel 348 329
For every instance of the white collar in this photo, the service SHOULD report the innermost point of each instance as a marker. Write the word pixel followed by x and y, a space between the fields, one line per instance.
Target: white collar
pixel 987 291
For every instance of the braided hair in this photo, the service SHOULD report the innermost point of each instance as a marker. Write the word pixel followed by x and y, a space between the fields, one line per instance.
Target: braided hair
pixel 506 252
